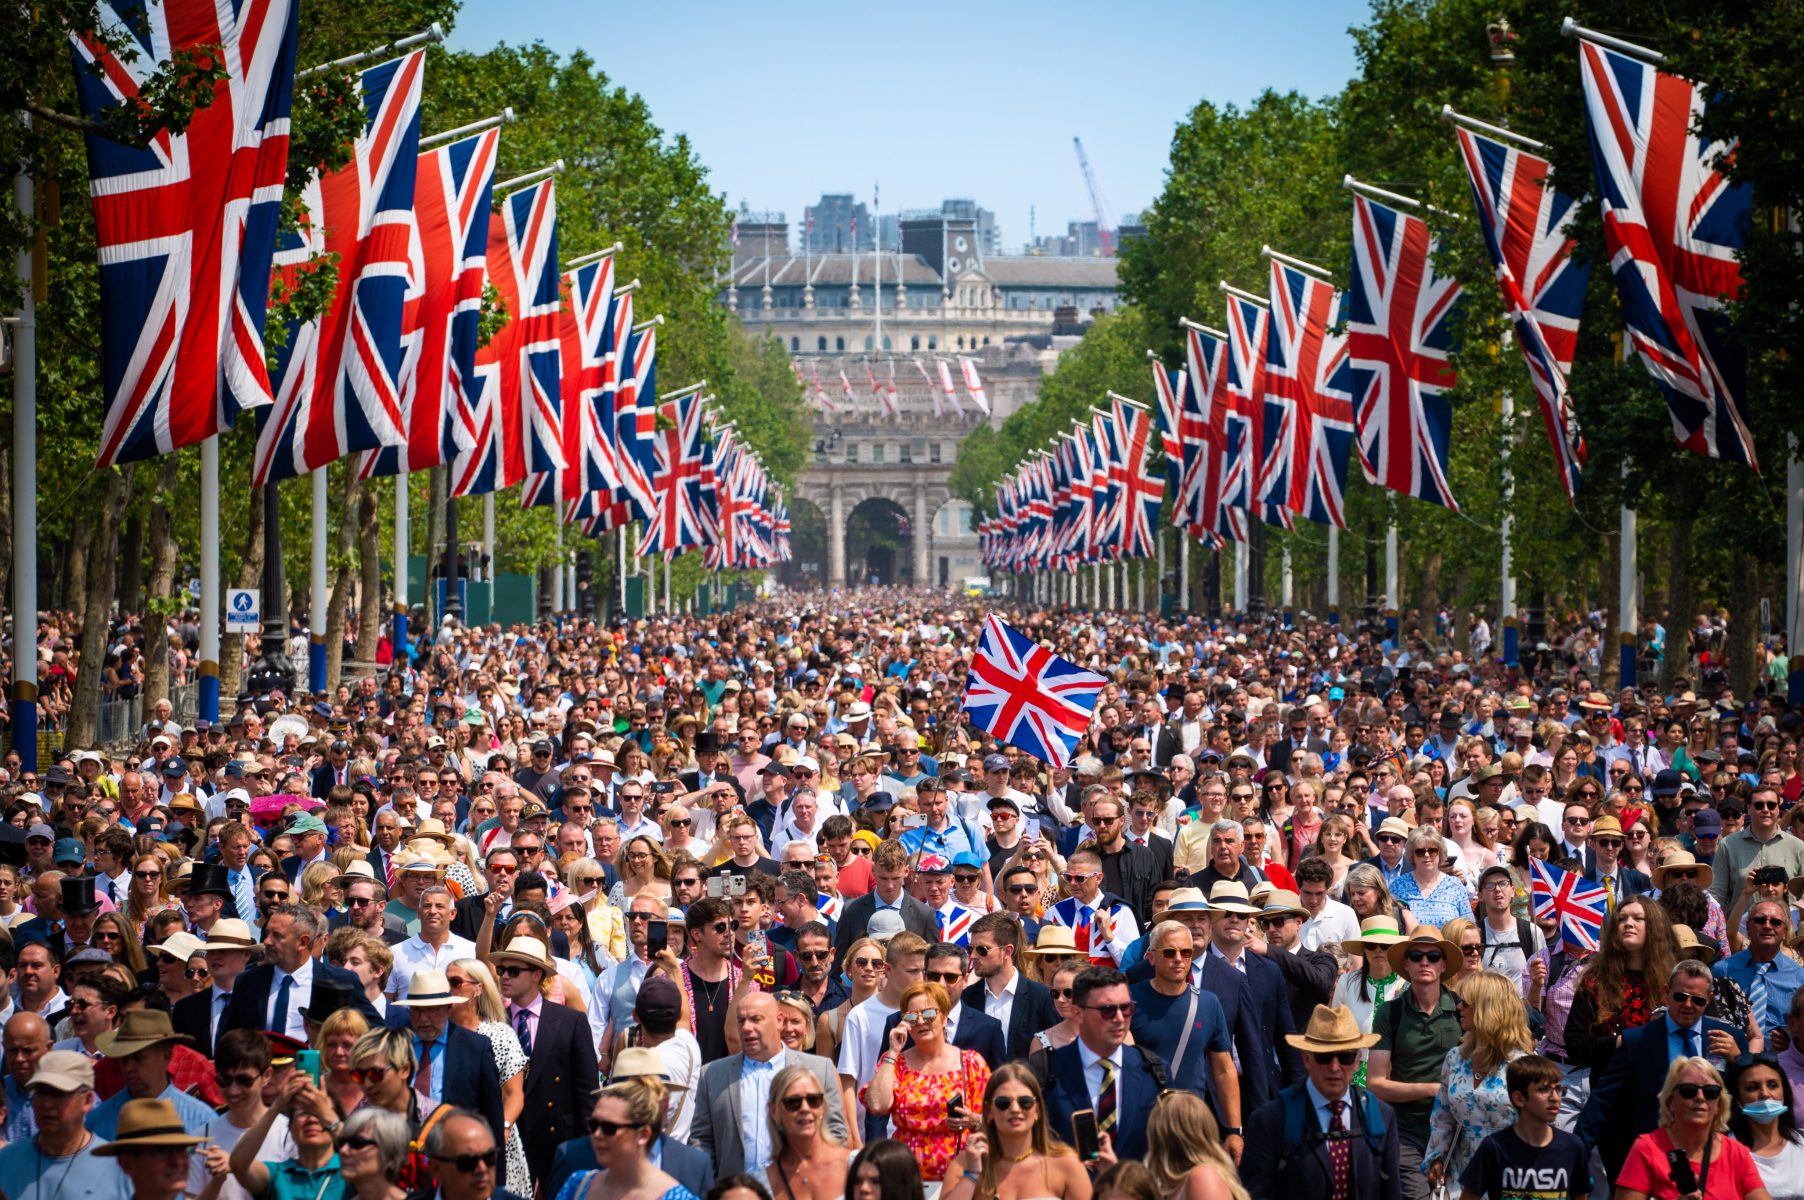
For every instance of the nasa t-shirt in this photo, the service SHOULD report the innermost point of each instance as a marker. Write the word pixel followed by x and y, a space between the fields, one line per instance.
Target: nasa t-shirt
pixel 1508 1168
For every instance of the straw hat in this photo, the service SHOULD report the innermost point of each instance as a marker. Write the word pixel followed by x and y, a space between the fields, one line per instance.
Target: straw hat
pixel 181 946
pixel 148 1125
pixel 138 1030
pixel 636 1062
pixel 1330 1031
pixel 1187 899
pixel 1692 946
pixel 434 829
pixel 358 870
pixel 1682 860
pixel 1280 903
pixel 229 933
pixel 428 989
pixel 1429 936
pixel 1054 939
pixel 1373 931
pixel 527 951
pixel 1230 896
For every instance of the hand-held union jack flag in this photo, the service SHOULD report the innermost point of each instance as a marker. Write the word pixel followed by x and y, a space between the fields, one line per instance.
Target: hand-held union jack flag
pixel 1525 223
pixel 1579 905
pixel 1672 223
pixel 1398 339
pixel 186 226
pixel 338 378
pixel 1021 693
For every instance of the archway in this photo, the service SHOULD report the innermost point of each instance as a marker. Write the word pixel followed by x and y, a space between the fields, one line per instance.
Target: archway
pixel 807 566
pixel 879 543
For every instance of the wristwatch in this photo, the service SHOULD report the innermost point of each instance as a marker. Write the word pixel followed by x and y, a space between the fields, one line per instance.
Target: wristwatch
pixel 1232 1131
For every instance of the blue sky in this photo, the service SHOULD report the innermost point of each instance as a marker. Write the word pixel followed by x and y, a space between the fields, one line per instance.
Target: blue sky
pixel 931 99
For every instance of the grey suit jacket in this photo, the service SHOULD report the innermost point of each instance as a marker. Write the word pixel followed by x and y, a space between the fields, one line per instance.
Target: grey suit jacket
pixel 717 1109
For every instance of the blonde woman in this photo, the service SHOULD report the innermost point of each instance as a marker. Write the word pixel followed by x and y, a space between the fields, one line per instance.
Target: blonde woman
pixel 864 966
pixel 622 1127
pixel 1014 1156
pixel 1474 1101
pixel 317 889
pixel 807 1161
pixel 643 868
pixel 795 1021
pixel 1184 1151
pixel 1694 1119
pixel 149 893
pixel 481 1011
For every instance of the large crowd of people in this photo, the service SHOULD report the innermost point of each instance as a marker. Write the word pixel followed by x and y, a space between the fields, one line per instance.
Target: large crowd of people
pixel 744 907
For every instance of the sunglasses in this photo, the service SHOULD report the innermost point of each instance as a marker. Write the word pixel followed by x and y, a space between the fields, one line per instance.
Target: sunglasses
pixel 1174 952
pixel 239 1079
pixel 1767 922
pixel 1690 999
pixel 1061 993
pixel 1024 1103
pixel 814 955
pixel 1345 1058
pixel 1389 839
pixel 196 972
pixel 370 1074
pixel 1691 1091
pixel 942 976
pixel 813 1100
pixel 511 970
pixel 1425 956
pixel 923 1017
pixel 354 1143
pixel 467 1163
pixel 1110 1012
pixel 868 964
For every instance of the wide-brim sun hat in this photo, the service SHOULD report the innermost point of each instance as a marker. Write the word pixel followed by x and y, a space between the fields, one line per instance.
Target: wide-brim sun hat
pixel 1373 931
pixel 1429 936
pixel 1331 1031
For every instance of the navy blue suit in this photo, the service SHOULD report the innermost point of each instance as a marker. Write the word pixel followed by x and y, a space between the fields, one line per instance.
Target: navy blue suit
pixel 1632 882
pixel 1257 1007
pixel 1625 1102
pixel 688 1165
pixel 1070 1093
pixel 1307 1168
pixel 561 1079
pixel 249 1007
pixel 1031 1013
pixel 976 1031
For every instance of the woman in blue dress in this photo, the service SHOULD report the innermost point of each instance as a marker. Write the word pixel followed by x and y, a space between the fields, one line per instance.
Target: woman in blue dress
pixel 1432 897
pixel 621 1129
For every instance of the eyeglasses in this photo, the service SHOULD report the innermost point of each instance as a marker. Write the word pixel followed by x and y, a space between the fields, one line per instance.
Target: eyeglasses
pixel 1607 843
pixel 867 964
pixel 1060 993
pixel 1425 956
pixel 1691 1091
pixel 1578 820
pixel 1762 805
pixel 196 972
pixel 1079 876
pixel 814 1100
pixel 274 897
pixel 1171 952
pixel 240 1079
pixel 1345 1058
pixel 724 926
pixel 353 1143
pixel 1688 998
pixel 680 823
pixel 147 874
pixel 966 879
pixel 1471 951
pixel 921 1017
pixel 510 970
pixel 1766 922
pixel 375 1074
pixel 1110 1012
pixel 467 1163
pixel 942 976
pixel 502 869
pixel 1427 852
pixel 1389 839
pixel 1024 1103
pixel 814 955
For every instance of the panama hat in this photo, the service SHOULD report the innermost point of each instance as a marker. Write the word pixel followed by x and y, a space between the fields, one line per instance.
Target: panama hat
pixel 1280 903
pixel 1373 931
pixel 1682 860
pixel 434 829
pixel 358 870
pixel 527 951
pixel 1693 946
pixel 138 1030
pixel 428 989
pixel 1187 899
pixel 1330 1031
pixel 637 1062
pixel 1054 939
pixel 148 1125
pixel 1230 896
pixel 229 933
pixel 1429 936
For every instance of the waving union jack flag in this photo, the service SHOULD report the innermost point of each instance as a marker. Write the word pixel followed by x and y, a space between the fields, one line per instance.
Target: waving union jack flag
pixel 587 446
pixel 1021 693
pixel 1397 338
pixel 635 420
pixel 1307 389
pixel 1579 905
pixel 186 226
pixel 520 363
pixel 338 378
pixel 676 521
pixel 1142 490
pixel 1204 422
pixel 1525 222
pixel 1673 223
pixel 1248 323
pixel 444 303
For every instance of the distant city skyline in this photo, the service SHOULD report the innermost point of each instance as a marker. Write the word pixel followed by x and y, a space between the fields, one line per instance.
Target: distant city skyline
pixel 786 101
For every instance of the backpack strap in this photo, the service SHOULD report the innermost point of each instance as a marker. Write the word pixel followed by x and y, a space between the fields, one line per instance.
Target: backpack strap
pixel 418 1145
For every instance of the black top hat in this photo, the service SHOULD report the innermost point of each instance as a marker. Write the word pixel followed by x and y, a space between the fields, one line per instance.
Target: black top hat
pixel 78 895
pixel 329 995
pixel 210 879
pixel 707 742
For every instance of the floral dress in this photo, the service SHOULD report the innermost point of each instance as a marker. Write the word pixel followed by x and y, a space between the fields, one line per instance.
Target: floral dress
pixel 577 1186
pixel 510 1060
pixel 1448 899
pixel 1466 1112
pixel 918 1111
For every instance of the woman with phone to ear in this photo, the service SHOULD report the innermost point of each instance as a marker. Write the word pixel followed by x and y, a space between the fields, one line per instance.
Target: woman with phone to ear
pixel 1690 1157
pixel 923 1088
pixel 1015 1156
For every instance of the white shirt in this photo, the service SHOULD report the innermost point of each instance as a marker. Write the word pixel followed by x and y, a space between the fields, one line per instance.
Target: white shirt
pixel 1093 1071
pixel 861 1042
pixel 278 1146
pixel 216 1009
pixel 299 997
pixel 1001 1007
pixel 1334 924
pixel 1238 962
pixel 682 1056
pixel 416 954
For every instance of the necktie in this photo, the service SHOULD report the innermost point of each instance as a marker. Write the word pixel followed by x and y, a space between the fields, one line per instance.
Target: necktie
pixel 388 867
pixel 278 1020
pixel 422 1079
pixel 1691 1043
pixel 1340 1151
pixel 940 920
pixel 242 894
pixel 1757 995
pixel 523 1030
pixel 1610 891
pixel 1105 1099
pixel 111 895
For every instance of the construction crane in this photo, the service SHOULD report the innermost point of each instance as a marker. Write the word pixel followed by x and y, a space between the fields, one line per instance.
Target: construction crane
pixel 1105 223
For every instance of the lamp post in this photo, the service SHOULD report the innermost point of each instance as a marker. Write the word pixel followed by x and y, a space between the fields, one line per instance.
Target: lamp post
pixel 273 669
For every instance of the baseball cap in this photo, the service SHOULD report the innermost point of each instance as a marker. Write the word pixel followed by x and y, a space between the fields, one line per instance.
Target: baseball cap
pixel 64 1070
pixel 41 830
pixel 933 864
pixel 995 762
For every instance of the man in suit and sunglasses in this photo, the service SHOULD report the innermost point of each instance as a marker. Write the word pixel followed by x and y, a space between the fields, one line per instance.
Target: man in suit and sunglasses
pixel 1099 1072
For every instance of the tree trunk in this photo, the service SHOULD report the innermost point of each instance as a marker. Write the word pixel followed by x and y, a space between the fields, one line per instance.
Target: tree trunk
pixel 131 560
pixel 1744 625
pixel 250 570
pixel 165 557
pixel 1681 596
pixel 369 557
pixel 97 603
pixel 1431 589
pixel 1609 570
pixel 79 541
pixel 1460 631
pixel 333 628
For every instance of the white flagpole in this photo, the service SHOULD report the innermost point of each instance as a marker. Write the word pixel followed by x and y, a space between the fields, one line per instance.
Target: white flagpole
pixel 318 601
pixel 401 549
pixel 209 581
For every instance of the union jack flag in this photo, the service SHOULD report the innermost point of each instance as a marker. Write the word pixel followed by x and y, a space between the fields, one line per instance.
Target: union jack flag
pixel 1579 905
pixel 955 921
pixel 1248 324
pixel 186 226
pixel 588 443
pixel 1105 498
pixel 974 385
pixel 676 521
pixel 845 387
pixel 338 378
pixel 1080 454
pixel 1525 224
pixel 1308 392
pixel 1021 693
pixel 635 420
pixel 830 906
pixel 889 392
pixel 1168 387
pixel 1142 490
pixel 1673 223
pixel 1204 421
pixel 444 304
pixel 1398 338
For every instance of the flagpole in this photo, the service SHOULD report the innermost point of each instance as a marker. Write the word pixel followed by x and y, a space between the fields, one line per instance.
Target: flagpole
pixel 24 713
pixel 1333 575
pixel 1287 579
pixel 506 117
pixel 208 709
pixel 317 598
pixel 1392 582
pixel 488 547
pixel 1242 568
pixel 520 181
pixel 1184 573
pixel 432 34
pixel 401 549
pixel 1508 632
pixel 1794 573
